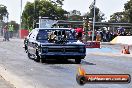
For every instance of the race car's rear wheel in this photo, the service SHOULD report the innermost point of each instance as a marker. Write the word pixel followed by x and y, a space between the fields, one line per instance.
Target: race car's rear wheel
pixel 78 61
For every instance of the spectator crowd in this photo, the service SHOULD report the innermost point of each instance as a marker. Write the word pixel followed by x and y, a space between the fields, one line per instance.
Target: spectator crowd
pixel 104 36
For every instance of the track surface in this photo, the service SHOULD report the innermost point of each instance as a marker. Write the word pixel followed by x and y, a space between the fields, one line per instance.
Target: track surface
pixel 25 73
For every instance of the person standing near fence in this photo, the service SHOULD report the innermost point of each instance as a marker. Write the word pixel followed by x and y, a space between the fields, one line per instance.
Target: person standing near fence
pixel 79 33
pixel 98 37
pixel 11 29
pixel 5 33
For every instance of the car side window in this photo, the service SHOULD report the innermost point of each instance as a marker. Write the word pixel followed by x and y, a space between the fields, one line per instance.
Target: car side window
pixel 33 35
pixel 30 34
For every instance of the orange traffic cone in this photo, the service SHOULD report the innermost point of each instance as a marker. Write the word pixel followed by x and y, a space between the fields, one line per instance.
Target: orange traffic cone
pixel 126 51
pixel 123 50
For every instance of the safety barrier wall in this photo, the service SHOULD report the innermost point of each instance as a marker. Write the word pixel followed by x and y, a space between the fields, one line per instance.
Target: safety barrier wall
pixel 93 44
pixel 122 40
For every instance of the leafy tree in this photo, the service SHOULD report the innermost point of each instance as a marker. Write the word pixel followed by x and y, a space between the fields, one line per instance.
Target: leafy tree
pixel 117 17
pixel 15 25
pixel 124 16
pixel 43 8
pixel 57 2
pixel 75 18
pixel 3 11
pixel 75 12
pixel 28 15
pixel 75 15
pixel 128 11
pixel 3 14
pixel 99 16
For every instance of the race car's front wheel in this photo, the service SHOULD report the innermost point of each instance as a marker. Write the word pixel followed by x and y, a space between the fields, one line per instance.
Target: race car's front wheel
pixel 78 61
pixel 42 60
pixel 37 57
pixel 29 55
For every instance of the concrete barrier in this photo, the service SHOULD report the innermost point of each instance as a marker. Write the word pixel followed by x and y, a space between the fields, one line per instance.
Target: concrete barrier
pixel 122 40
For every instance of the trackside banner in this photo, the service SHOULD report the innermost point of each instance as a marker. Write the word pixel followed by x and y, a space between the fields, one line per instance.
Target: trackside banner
pixel 92 44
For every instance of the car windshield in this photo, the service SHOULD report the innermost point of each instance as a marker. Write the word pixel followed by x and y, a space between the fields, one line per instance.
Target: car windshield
pixel 44 33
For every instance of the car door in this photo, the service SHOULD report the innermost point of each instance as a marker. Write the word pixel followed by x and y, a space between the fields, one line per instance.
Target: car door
pixel 32 42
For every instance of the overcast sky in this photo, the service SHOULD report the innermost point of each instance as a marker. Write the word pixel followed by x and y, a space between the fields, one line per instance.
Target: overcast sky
pixel 108 7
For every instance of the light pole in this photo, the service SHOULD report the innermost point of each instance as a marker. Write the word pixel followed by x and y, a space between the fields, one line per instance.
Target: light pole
pixel 34 19
pixel 93 21
pixel 85 21
pixel 20 14
pixel 35 14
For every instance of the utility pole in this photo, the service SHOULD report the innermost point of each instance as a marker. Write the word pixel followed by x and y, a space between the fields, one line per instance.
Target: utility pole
pixel 35 15
pixel 20 14
pixel 34 19
pixel 86 27
pixel 93 21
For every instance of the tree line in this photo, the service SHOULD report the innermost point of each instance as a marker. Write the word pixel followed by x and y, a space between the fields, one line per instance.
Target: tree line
pixel 124 16
pixel 53 8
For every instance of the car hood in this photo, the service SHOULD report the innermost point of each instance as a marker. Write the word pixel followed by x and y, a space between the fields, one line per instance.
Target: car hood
pixel 41 42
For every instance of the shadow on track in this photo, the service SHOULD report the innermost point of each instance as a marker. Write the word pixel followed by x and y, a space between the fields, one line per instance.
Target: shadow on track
pixel 87 63
pixel 53 61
